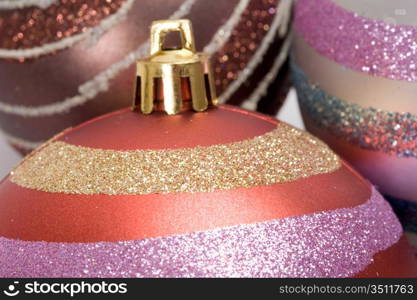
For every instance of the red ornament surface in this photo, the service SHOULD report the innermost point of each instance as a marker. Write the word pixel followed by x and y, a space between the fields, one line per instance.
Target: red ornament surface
pixel 61 218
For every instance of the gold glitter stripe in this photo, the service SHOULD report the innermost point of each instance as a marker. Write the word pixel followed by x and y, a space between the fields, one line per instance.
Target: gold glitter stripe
pixel 282 155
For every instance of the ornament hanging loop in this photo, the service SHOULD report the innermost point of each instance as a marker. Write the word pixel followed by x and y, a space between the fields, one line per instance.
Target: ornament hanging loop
pixel 159 30
pixel 167 76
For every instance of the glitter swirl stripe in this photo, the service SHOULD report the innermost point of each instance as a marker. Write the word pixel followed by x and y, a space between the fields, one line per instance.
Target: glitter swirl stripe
pixel 223 34
pixel 366 45
pixel 24 34
pixel 337 243
pixel 19 142
pixel 262 88
pixel 18 4
pixel 100 83
pixel 249 103
pixel 282 155
pixel 369 128
pixel 233 75
pixel 90 89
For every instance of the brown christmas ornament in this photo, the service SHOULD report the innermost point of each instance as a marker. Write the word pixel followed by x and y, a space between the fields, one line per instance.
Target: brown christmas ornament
pixel 63 62
pixel 181 187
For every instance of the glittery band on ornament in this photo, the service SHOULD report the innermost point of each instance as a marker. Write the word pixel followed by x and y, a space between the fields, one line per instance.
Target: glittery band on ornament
pixel 370 128
pixel 337 243
pixel 406 212
pixel 366 45
pixel 32 27
pixel 282 155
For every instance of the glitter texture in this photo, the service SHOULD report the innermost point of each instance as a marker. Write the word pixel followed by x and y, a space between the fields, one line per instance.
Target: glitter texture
pixel 244 41
pixel 366 45
pixel 336 243
pixel 369 128
pixel 406 212
pixel 282 155
pixel 32 27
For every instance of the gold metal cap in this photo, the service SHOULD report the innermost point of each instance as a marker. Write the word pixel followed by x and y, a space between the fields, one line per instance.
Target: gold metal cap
pixel 173 72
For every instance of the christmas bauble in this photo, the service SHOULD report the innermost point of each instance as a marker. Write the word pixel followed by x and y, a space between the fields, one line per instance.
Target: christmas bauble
pixel 63 62
pixel 356 76
pixel 222 192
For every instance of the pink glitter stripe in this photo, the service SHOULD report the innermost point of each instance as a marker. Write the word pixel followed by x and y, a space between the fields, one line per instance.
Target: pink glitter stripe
pixel 362 44
pixel 336 243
